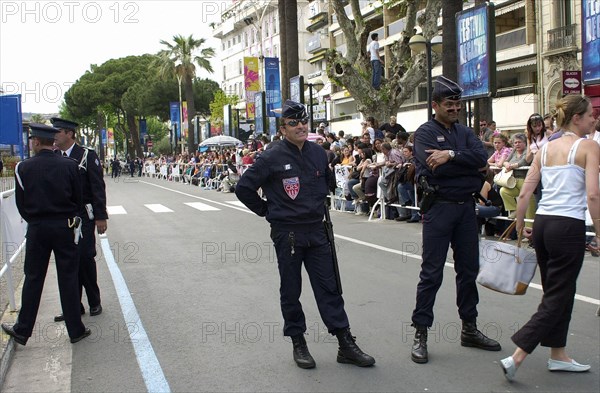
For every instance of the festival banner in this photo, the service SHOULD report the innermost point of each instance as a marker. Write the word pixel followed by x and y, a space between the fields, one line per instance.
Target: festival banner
pixel 260 121
pixel 590 33
pixel 143 131
pixel 273 87
pixel 175 124
pixel 251 83
pixel 476 51
pixel 297 89
pixel 185 124
pixel 103 136
pixel 111 136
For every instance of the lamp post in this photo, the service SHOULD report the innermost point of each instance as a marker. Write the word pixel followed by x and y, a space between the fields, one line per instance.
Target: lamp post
pixel 419 44
pixel 317 85
pixel 202 121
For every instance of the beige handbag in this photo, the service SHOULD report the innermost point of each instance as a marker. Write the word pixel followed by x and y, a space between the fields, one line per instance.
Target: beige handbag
pixel 505 178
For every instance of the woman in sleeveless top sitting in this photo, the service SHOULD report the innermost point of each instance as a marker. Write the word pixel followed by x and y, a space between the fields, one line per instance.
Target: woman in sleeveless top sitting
pixel 568 167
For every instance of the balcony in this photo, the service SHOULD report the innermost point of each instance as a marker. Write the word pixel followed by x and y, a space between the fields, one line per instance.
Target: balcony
pixel 511 39
pixel 562 39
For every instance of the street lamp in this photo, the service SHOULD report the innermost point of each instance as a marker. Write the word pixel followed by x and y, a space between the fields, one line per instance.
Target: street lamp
pixel 202 121
pixel 318 85
pixel 419 44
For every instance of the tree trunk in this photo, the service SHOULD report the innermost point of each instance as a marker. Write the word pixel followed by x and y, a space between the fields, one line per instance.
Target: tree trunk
pixel 291 38
pixel 191 112
pixel 134 135
pixel 285 77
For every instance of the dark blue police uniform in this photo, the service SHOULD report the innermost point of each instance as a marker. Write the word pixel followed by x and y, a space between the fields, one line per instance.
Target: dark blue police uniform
pixel 48 197
pixel 294 174
pixel 93 208
pixel 450 219
pixel 295 184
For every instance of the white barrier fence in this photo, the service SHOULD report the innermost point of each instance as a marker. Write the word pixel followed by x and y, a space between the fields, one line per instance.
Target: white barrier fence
pixel 12 238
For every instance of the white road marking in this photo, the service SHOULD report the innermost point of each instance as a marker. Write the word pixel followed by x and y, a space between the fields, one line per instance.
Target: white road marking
pixel 237 203
pixel 158 208
pixel 114 210
pixel 152 373
pixel 202 206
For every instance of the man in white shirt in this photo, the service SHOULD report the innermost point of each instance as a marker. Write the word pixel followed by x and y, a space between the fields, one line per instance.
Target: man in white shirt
pixel 376 61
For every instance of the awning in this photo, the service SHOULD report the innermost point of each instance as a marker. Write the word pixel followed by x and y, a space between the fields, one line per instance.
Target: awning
pixel 344 100
pixel 509 8
pixel 516 64
pixel 339 95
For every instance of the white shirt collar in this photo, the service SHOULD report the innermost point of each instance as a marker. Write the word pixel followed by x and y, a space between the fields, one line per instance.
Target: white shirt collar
pixel 69 150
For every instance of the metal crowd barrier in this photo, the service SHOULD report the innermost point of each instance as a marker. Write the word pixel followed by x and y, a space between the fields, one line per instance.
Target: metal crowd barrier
pixel 6 269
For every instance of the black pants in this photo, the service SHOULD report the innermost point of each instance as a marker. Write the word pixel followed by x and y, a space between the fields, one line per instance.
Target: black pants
pixel 314 250
pixel 42 239
pixel 560 248
pixel 88 275
pixel 443 225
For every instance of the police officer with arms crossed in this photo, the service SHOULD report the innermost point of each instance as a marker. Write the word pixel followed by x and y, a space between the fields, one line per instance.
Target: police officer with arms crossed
pixel 93 212
pixel 293 175
pixel 449 157
pixel 48 196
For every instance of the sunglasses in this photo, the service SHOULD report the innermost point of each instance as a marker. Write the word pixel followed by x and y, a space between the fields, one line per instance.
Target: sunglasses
pixel 294 123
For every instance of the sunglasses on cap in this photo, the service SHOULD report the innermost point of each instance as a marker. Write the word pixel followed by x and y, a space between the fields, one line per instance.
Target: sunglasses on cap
pixel 294 123
pixel 535 117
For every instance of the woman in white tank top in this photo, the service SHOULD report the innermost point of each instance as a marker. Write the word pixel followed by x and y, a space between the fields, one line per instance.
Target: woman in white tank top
pixel 568 169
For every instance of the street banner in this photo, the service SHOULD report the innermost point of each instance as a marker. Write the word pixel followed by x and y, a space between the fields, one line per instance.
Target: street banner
pixel 476 51
pixel 297 89
pixel 111 136
pixel 252 84
pixel 590 33
pixel 104 136
pixel 143 131
pixel 273 87
pixel 227 120
pixel 11 121
pixel 185 124
pixel 260 121
pixel 175 123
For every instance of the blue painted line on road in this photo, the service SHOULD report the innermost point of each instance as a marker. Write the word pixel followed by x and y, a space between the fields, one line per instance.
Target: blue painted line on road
pixel 152 373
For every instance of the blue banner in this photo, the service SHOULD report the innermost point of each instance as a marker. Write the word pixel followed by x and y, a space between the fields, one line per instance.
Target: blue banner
pixel 273 87
pixel 104 137
pixel 590 33
pixel 259 113
pixel 175 123
pixel 476 52
pixel 143 131
pixel 11 120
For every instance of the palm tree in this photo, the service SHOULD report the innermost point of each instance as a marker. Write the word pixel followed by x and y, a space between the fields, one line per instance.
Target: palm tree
pixel 178 59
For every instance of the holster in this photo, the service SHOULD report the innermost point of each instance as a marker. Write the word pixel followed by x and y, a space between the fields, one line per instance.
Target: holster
pixel 429 194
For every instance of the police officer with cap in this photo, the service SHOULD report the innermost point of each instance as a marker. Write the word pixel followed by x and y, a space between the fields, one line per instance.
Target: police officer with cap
pixel 48 197
pixel 448 159
pixel 293 175
pixel 93 214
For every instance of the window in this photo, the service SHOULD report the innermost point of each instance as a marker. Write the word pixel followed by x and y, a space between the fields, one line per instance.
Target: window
pixel 563 13
pixel 240 67
pixel 224 73
pixel 275 51
pixel 275 24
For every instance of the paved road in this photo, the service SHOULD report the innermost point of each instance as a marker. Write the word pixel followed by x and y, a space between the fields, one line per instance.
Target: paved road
pixel 197 310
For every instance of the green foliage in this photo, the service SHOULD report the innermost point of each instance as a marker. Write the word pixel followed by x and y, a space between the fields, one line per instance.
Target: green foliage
pixel 163 146
pixel 216 106
pixel 156 128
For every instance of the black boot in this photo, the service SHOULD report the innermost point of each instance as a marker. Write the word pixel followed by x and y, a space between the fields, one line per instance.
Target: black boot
pixel 301 355
pixel 419 348
pixel 471 337
pixel 349 352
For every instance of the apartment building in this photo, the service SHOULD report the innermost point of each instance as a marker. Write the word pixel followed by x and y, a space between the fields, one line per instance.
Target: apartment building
pixel 535 42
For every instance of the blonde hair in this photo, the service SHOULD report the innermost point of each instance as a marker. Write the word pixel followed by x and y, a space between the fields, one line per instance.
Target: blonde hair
pixel 569 106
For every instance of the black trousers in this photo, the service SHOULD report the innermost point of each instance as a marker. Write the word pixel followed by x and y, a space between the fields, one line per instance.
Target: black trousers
pixel 560 248
pixel 449 224
pixel 42 239
pixel 88 274
pixel 314 250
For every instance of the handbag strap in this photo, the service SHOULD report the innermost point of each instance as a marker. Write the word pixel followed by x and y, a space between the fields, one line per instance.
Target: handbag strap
pixel 507 231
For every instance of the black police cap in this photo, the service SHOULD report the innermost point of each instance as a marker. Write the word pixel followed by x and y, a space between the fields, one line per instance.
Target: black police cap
pixel 293 110
pixel 42 131
pixel 446 88
pixel 64 124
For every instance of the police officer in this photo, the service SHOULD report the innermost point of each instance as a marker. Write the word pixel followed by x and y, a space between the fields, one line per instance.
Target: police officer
pixel 93 213
pixel 449 156
pixel 293 175
pixel 48 196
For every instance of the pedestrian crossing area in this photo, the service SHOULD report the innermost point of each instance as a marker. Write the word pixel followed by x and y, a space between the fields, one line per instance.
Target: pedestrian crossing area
pixel 161 208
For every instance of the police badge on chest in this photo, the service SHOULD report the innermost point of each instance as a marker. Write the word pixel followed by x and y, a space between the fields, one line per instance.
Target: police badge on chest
pixel 291 185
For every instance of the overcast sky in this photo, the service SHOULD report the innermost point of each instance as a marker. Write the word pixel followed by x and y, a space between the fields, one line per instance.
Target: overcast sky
pixel 45 46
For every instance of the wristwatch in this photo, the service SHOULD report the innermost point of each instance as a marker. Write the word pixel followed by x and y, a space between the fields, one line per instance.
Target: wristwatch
pixel 451 154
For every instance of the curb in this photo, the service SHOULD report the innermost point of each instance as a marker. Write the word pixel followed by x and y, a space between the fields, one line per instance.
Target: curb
pixel 7 350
